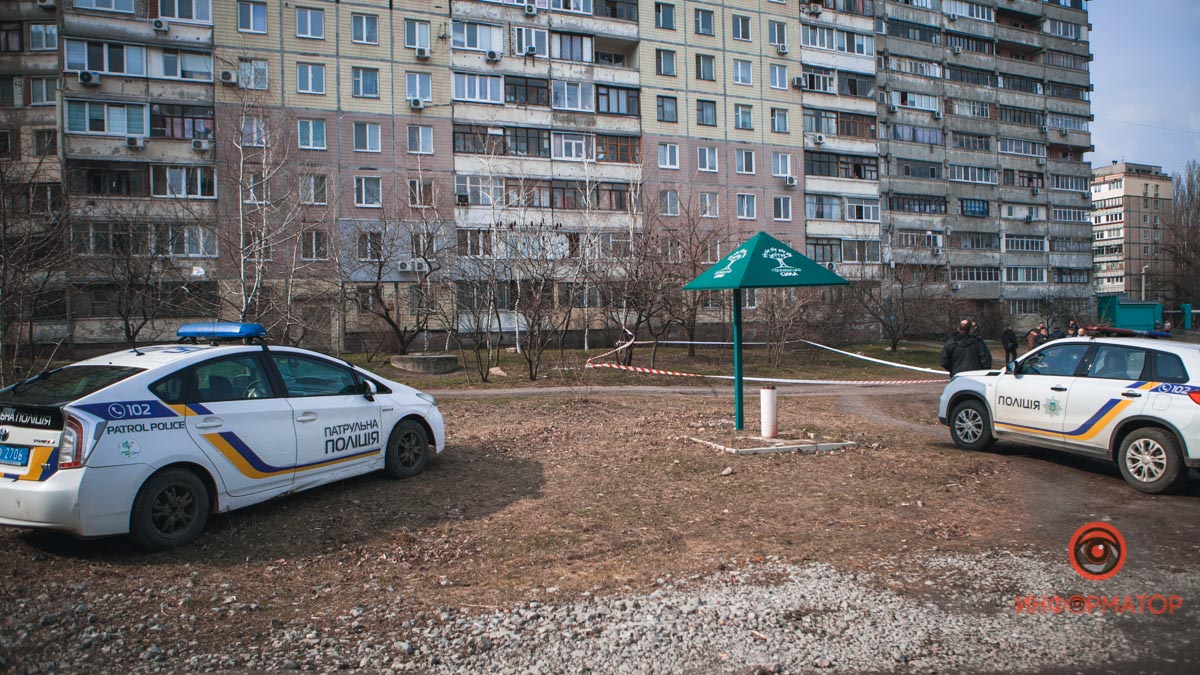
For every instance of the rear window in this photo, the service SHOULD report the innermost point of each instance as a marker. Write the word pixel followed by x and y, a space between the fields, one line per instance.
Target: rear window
pixel 1169 368
pixel 65 384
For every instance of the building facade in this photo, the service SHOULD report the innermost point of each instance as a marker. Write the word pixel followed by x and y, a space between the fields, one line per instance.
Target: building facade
pixel 1131 208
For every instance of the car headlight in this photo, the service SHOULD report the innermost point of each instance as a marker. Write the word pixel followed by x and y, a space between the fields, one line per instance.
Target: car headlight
pixel 426 397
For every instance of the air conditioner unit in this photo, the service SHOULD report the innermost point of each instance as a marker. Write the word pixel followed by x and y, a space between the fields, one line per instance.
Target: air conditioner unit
pixel 420 265
pixel 798 82
pixel 791 181
pixel 201 145
pixel 819 139
pixel 402 265
pixel 815 10
pixel 892 107
pixel 135 142
pixel 530 9
pixel 952 17
pixel 531 50
pixel 89 78
pixel 1029 218
pixel 956 287
pixel 1037 191
pixel 1041 161
pixel 47 4
pixel 782 49
pixel 1062 132
pixel 228 77
pixel 937 252
pixel 831 266
pixel 423 53
pixel 937 114
pixel 1045 129
pixel 161 25
pixel 416 104
pixel 463 200
pixel 493 57
pixel 957 51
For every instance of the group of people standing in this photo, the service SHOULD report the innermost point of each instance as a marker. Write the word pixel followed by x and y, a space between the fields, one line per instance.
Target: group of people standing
pixel 966 350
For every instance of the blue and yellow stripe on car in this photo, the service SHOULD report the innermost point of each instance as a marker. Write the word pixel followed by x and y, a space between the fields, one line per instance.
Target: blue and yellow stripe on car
pixel 1093 426
pixel 246 461
pixel 43 463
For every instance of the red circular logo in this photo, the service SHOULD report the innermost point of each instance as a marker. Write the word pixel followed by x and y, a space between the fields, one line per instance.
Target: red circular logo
pixel 1097 551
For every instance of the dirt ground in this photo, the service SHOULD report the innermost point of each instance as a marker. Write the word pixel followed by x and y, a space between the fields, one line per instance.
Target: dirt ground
pixel 584 491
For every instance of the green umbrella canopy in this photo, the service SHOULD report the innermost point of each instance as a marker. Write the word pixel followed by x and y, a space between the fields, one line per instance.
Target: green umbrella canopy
pixel 764 262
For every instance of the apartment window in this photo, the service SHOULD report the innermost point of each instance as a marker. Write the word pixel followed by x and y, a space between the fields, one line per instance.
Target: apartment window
pixel 474 243
pixel 822 207
pixel 706 67
pixel 578 96
pixel 668 155
pixel 576 6
pixel 969 43
pixel 906 203
pixel 112 119
pixel 420 140
pixel 709 205
pixel 668 202
pixel 43 37
pixel 971 174
pixel 743 116
pixel 419 86
pixel 984 78
pixel 779 78
pixel 1016 146
pixel 1071 183
pixel 818 79
pixel 370 246
pixel 311 134
pixel 181 121
pixel 618 149
pixel 570 47
pixel 917 67
pixel 664 16
pixel 368 191
pixel 744 160
pixel 915 134
pixel 976 208
pixel 366 82
pixel 310 78
pixel 781 208
pixel 364 30
pixel 856 126
pixel 862 209
pixel 741 27
pixel 1065 60
pixel 571 147
pixel 479 190
pixel 191 182
pixel 972 109
pixel 1024 243
pixel 476 36
pixel 199 11
pixel 817 37
pixel 1068 122
pixel 526 91
pixel 252 74
pixel 187 65
pixel 664 60
pixel 188 241
pixel 706 113
pixel 854 84
pixel 742 72
pixel 314 245
pixel 704 22
pixel 416 34
pixel 478 88
pixel 45 142
pixel 1070 91
pixel 915 168
pixel 106 5
pixel 1025 275
pixel 781 164
pixel 779 120
pixel 1026 85
pixel 252 16
pixel 314 189
pixel 42 90
pixel 747 206
pixel 616 101
pixel 106 57
pixel 6 146
pixel 10 37
pixel 963 141
pixel 667 109
pixel 777 33
pixel 366 137
pixel 527 142
pixel 310 23
pixel 706 158
pixel 420 195
pixel 525 38
pixel 908 99
pixel 117 179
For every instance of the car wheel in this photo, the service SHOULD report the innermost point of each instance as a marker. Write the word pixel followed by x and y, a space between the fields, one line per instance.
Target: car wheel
pixel 170 510
pixel 970 426
pixel 407 450
pixel 1150 460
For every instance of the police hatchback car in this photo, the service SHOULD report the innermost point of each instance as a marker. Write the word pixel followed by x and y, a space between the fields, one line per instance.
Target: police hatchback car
pixel 150 441
pixel 1132 401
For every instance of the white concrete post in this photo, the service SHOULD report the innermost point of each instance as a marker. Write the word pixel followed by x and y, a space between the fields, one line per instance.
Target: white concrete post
pixel 769 403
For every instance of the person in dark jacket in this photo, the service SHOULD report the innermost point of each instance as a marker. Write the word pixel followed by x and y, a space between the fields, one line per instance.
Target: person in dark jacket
pixel 1008 339
pixel 1057 333
pixel 964 351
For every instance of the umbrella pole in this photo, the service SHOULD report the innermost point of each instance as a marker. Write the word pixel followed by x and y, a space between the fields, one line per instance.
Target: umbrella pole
pixel 738 417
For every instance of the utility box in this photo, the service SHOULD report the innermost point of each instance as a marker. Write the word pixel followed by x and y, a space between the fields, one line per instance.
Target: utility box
pixel 1131 314
pixel 1186 309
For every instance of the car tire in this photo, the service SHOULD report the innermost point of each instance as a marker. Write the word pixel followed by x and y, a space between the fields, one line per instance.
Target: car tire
pixel 407 450
pixel 1150 460
pixel 170 510
pixel 971 426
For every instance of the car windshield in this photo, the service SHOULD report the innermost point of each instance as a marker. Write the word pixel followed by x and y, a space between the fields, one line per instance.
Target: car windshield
pixel 65 384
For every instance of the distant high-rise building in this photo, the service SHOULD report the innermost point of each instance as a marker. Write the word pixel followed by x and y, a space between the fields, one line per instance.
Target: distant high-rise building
pixel 1131 210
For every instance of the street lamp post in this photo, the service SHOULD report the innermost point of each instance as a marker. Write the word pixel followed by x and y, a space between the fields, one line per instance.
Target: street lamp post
pixel 1144 268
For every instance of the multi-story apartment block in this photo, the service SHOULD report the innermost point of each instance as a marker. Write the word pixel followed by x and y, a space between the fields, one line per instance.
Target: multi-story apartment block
pixel 984 119
pixel 1131 210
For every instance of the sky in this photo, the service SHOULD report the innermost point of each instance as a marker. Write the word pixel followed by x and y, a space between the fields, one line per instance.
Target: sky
pixel 1147 97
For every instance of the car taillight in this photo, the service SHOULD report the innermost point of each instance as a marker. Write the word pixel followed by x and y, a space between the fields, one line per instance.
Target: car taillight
pixel 1194 395
pixel 70 445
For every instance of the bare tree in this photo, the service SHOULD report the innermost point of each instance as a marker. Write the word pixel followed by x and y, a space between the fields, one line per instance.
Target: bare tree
pixel 912 298
pixel 1181 243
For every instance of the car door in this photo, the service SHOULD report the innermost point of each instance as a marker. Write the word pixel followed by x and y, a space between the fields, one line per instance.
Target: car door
pixel 1111 390
pixel 1031 400
pixel 242 423
pixel 338 429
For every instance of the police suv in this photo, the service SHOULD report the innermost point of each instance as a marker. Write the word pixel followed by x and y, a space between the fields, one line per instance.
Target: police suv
pixel 1132 401
pixel 150 441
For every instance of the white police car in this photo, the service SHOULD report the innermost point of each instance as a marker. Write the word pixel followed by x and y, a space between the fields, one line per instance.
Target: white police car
pixel 150 441
pixel 1132 401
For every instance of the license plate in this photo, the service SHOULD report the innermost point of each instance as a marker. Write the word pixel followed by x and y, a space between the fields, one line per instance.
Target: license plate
pixel 14 456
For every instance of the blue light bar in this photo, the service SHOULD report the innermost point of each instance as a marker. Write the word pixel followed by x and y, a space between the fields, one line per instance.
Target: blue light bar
pixel 221 330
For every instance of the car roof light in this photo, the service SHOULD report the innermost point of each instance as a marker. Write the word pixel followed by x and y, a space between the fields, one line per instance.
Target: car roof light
pixel 221 330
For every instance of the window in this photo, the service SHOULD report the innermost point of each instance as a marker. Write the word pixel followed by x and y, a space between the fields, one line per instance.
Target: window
pixel 706 158
pixel 856 126
pixel 914 31
pixel 705 67
pixel 781 208
pixel 1024 243
pixel 571 147
pixel 969 43
pixel 1065 60
pixel 777 33
pixel 664 16
pixel 252 17
pixel 476 36
pixel 862 209
pixel 667 109
pixel 571 47
pixel 43 37
pixel 706 113
pixel 474 243
pixel 215 380
pixel 573 96
pixel 664 61
pixel 616 100
pixel 370 246
pixel 668 203
pixel 419 86
pixel 1026 275
pixel 420 193
pixel 314 245
pixel 310 78
pixel 822 207
pixel 366 137
pixel 111 119
pixel 45 142
pixel 1015 115
pixel 906 203
pixel 781 164
pixel 618 149
pixel 860 250
pixel 743 116
pixel 915 168
pixel 187 65
pixel 972 109
pixel 420 140
pixel 976 208
pixel 524 38
pixel 744 160
pixel 709 205
pixel 479 190
pixel 42 90
pixel 963 141
pixel 1071 183
pixel 855 43
pixel 116 179
pixel 526 91
pixel 779 120
pixel 742 72
pixel 970 274
pixel 824 250
pixel 747 206
pixel 984 78
pixel 817 37
pixel 668 155
pixel 855 84
pixel 908 99
pixel 416 34
pixel 106 57
pixel 971 174
pixel 779 79
pixel 199 11
pixel 314 189
pixel 818 79
pixel 917 67
pixel 364 30
pixel 368 191
pixel 366 82
pixel 192 182
pixel 106 5
pixel 252 74
pixel 704 22
pixel 576 6
pixel 311 134
pixel 256 189
pixel 310 23
pixel 741 27
pixel 478 88
pixel 10 37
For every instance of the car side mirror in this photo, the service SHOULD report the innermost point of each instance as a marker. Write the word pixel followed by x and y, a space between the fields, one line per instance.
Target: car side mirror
pixel 369 390
pixel 1010 367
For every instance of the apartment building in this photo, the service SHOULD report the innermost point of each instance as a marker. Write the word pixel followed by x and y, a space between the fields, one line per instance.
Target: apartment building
pixel 1131 207
pixel 984 118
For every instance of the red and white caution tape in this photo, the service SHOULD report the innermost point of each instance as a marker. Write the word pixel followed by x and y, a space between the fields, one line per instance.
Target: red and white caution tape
pixel 875 360
pixel 774 380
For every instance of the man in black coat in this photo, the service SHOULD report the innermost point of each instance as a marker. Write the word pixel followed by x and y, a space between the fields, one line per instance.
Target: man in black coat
pixel 964 351
pixel 1008 339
